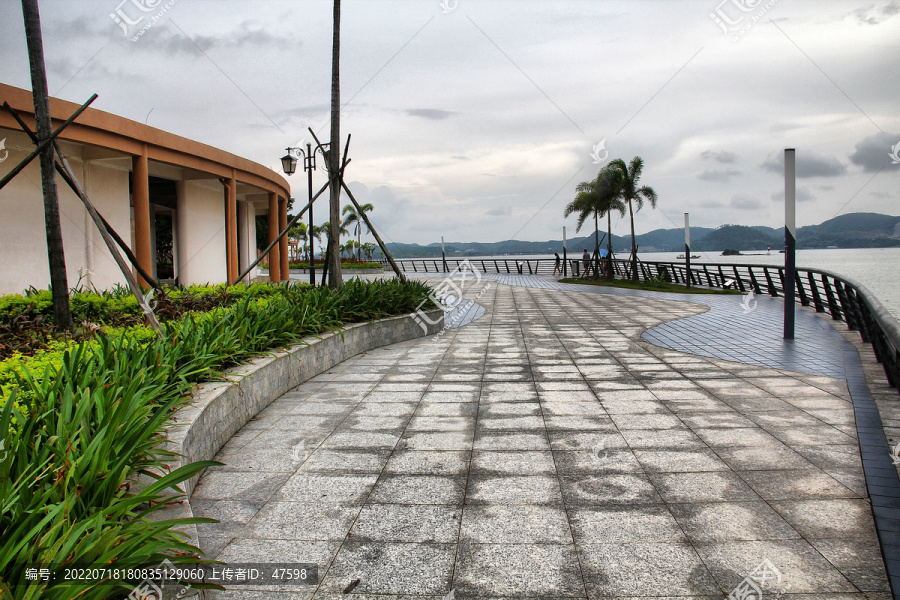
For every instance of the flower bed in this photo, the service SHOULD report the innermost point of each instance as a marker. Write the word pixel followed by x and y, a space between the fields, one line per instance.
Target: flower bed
pixel 84 419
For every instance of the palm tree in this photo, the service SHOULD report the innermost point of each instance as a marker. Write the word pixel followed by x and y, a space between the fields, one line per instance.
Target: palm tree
pixel 300 233
pixel 625 178
pixel 325 228
pixel 598 197
pixel 354 218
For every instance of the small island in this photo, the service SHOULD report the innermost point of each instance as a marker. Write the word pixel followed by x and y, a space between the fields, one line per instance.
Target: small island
pixel 731 252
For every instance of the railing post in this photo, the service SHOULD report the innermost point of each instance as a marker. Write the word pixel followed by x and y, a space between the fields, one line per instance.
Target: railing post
pixel 506 264
pixel 740 281
pixel 483 268
pixel 814 290
pixel 753 281
pixel 804 301
pixel 863 317
pixel 772 290
pixel 832 304
pixel 708 279
pixel 849 318
pixel 528 263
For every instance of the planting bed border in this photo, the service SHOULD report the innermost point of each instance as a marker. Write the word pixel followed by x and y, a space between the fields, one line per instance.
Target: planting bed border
pixel 219 409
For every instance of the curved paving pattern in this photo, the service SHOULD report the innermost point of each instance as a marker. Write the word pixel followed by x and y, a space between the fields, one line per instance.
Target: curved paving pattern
pixel 545 450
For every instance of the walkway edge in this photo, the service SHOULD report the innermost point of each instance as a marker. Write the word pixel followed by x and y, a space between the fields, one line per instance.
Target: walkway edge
pixel 219 409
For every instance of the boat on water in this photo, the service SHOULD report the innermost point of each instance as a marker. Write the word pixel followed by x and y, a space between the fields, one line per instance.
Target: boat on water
pixel 682 256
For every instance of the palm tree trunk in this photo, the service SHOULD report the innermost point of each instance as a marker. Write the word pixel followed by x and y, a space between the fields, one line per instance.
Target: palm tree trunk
pixel 596 245
pixel 59 285
pixel 335 280
pixel 609 245
pixel 359 244
pixel 634 275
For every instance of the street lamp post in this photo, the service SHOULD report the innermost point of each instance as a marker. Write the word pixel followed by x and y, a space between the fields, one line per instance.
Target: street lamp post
pixel 289 164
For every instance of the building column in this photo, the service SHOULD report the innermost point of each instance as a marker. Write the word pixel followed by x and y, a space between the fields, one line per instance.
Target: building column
pixel 274 253
pixel 283 244
pixel 140 193
pixel 231 228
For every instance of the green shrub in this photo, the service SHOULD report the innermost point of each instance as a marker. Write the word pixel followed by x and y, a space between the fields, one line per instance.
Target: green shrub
pixel 83 420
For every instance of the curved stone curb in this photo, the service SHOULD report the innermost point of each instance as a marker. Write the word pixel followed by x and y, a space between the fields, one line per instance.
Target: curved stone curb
pixel 219 409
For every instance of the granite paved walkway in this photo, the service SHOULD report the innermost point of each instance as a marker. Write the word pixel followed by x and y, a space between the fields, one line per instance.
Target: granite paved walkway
pixel 544 450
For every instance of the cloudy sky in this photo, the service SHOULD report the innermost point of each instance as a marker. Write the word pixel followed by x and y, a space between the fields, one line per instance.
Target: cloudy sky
pixel 476 119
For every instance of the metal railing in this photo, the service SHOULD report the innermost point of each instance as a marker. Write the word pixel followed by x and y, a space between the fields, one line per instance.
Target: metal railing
pixel 841 297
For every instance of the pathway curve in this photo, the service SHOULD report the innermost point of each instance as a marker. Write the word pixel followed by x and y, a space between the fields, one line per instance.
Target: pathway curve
pixel 545 450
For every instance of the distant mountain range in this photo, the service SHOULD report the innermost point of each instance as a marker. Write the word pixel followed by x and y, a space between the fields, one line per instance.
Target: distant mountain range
pixel 855 230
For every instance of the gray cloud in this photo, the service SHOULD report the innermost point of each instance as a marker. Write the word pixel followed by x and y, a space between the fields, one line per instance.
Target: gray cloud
pixel 872 153
pixel 722 156
pixel 803 195
pixel 726 175
pixel 500 211
pixel 809 164
pixel 745 202
pixel 432 114
pixel 872 15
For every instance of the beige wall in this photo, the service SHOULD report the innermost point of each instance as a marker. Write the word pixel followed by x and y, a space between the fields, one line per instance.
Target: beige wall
pixel 23 245
pixel 200 229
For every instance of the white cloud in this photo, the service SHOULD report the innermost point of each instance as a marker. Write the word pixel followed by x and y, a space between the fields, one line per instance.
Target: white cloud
pixel 495 107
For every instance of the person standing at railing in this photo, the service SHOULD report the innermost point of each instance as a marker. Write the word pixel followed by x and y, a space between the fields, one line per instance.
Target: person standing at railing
pixel 586 262
pixel 557 270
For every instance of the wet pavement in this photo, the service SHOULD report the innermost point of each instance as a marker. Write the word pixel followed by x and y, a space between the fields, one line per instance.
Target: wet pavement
pixel 548 449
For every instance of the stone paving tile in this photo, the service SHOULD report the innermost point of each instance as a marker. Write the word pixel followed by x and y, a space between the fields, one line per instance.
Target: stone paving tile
pixel 391 568
pixel 407 523
pixel 419 489
pixel 532 570
pixel 513 489
pixel 515 524
pixel 547 450
pixel 731 521
pixel 665 569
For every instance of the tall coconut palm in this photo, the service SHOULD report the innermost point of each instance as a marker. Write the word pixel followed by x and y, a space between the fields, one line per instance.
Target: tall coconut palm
pixel 599 197
pixel 610 194
pixel 626 179
pixel 354 217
